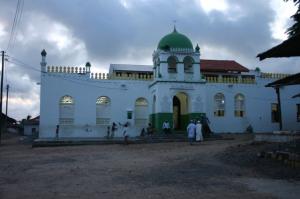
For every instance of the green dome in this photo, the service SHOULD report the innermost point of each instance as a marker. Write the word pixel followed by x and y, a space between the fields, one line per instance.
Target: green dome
pixel 174 40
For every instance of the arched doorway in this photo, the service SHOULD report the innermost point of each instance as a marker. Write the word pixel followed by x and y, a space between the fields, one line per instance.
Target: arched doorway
pixel 180 110
pixel 176 112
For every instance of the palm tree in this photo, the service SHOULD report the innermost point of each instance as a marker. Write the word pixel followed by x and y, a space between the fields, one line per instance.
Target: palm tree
pixel 295 28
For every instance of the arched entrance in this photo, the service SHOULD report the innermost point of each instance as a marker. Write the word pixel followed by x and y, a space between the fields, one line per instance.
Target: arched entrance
pixel 180 110
pixel 176 112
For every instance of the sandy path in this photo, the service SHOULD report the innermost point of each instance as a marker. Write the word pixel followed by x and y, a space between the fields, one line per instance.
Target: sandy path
pixel 166 170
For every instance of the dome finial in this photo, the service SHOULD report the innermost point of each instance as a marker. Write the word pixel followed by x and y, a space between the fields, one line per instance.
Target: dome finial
pixel 174 21
pixel 197 49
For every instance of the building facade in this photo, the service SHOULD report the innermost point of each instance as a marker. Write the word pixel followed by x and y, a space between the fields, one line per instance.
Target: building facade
pixel 178 87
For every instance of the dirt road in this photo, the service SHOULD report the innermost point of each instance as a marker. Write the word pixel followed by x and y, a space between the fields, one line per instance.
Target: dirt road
pixel 166 170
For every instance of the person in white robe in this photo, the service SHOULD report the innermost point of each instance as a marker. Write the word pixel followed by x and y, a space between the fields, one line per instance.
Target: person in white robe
pixel 191 132
pixel 199 136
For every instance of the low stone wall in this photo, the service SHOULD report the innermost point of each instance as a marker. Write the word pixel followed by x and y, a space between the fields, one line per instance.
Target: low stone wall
pixel 277 136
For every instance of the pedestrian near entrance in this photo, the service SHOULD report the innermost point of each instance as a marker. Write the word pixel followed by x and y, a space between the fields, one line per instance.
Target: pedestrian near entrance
pixel 125 133
pixel 166 127
pixel 191 128
pixel 150 130
pixel 108 132
pixel 113 129
pixel 57 132
pixel 205 127
pixel 199 137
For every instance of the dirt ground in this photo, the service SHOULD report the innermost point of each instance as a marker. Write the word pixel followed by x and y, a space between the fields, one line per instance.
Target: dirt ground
pixel 163 170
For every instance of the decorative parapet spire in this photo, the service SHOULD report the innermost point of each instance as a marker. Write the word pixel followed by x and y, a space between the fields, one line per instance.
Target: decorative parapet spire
pixel 175 29
pixel 174 21
pixel 43 62
pixel 88 67
pixel 197 49
pixel 43 53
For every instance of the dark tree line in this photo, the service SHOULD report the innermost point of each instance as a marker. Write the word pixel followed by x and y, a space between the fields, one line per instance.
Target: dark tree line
pixel 295 28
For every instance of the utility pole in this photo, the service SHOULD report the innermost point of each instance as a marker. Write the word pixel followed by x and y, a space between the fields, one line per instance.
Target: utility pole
pixel 7 89
pixel 1 92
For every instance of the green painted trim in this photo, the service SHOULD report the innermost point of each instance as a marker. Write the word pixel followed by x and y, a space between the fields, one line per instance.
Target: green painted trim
pixel 196 116
pixel 157 120
pixel 184 120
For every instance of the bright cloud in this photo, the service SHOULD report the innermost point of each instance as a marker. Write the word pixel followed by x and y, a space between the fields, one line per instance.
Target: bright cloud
pixel 210 5
pixel 282 19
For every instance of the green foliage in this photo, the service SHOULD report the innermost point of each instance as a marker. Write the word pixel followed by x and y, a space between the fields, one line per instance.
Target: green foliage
pixel 295 28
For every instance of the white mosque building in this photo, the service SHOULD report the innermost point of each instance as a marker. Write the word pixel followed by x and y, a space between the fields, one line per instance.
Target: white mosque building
pixel 179 86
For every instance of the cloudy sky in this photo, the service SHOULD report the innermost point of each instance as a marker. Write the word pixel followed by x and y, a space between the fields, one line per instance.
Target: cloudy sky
pixel 127 31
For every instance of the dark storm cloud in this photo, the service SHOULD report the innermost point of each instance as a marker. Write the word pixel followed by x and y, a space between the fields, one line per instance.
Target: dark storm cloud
pixel 111 32
pixel 109 29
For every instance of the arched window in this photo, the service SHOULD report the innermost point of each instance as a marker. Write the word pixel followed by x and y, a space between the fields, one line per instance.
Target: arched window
pixel 141 112
pixel 219 100
pixel 172 64
pixel 239 105
pixel 66 110
pixel 103 110
pixel 188 64
pixel 103 100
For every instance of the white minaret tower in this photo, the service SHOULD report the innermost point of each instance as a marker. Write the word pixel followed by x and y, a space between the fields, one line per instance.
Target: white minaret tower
pixel 88 67
pixel 176 60
pixel 43 62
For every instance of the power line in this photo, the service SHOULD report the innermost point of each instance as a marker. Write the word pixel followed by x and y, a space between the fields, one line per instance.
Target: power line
pixel 13 26
pixel 1 92
pixel 16 22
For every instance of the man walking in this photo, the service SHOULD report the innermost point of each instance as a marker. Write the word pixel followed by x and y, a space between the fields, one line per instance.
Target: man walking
pixel 191 128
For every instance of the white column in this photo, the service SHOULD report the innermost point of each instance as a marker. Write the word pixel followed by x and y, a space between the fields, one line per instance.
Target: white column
pixel 164 70
pixel 196 72
pixel 43 62
pixel 180 72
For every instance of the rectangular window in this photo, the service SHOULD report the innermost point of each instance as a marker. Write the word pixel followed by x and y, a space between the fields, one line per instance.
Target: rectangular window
pixel 298 112
pixel 129 115
pixel 219 113
pixel 275 113
pixel 239 113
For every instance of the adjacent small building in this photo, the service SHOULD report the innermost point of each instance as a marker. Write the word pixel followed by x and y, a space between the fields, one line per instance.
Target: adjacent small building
pixel 31 126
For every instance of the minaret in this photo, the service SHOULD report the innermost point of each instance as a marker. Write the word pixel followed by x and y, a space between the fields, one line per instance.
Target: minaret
pixel 88 67
pixel 43 62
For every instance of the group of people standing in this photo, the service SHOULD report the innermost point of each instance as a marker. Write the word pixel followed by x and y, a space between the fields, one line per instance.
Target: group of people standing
pixel 198 129
pixel 194 131
pixel 149 131
pixel 114 127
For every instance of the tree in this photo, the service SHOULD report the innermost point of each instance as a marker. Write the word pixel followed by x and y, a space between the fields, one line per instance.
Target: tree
pixel 295 28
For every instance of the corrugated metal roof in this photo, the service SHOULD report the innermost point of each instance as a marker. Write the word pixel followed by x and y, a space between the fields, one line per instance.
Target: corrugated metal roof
pixel 221 66
pixel 206 66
